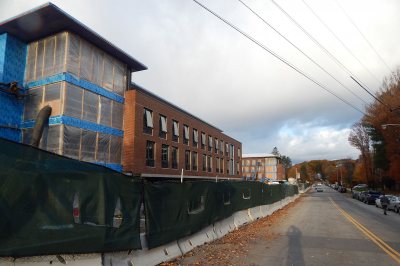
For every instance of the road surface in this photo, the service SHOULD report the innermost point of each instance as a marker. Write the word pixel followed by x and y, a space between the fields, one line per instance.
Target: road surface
pixel 322 228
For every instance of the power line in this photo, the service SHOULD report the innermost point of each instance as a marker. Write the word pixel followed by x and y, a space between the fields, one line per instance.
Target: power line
pixel 275 55
pixel 365 38
pixel 338 39
pixel 301 51
pixel 371 94
pixel 319 44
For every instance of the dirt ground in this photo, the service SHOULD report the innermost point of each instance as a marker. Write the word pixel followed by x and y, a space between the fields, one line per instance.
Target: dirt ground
pixel 233 248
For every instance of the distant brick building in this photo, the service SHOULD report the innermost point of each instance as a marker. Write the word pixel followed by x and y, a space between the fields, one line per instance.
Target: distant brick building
pixel 263 165
pixel 162 139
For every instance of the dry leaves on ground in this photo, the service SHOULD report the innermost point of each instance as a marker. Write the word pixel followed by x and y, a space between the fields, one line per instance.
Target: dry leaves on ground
pixel 235 244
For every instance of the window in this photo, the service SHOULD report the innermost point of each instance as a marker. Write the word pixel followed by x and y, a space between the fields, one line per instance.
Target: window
pixel 204 162
pixel 105 111
pixel 217 165
pixel 148 121
pixel 194 161
pixel 239 152
pixel 187 160
pixel 185 134
pixel 90 106
pixel 117 115
pixel 226 149
pixel 164 156
pixel 175 131
pixel 203 140
pixel 221 150
pixel 237 168
pixel 221 163
pixel 163 127
pixel 216 145
pixel 150 153
pixel 195 137
pixel 103 148
pixel 115 149
pixel 174 157
pixel 210 143
pixel 209 164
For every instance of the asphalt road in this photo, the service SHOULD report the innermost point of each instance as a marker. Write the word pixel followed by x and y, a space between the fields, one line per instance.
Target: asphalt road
pixel 330 228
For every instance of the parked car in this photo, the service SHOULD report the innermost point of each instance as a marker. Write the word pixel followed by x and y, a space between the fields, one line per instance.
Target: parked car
pixel 371 196
pixel 378 201
pixel 394 204
pixel 356 190
pixel 362 195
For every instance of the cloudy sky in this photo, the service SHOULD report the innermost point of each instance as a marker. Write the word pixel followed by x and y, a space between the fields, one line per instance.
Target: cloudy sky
pixel 202 65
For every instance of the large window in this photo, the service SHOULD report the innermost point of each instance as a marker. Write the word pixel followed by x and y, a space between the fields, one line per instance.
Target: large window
pixel 164 156
pixel 150 153
pixel 203 140
pixel 187 160
pixel 90 106
pixel 147 121
pixel 209 163
pixel 216 145
pixel 174 157
pixel 195 137
pixel 210 143
pixel 175 131
pixel 194 161
pixel 185 134
pixel 204 162
pixel 163 127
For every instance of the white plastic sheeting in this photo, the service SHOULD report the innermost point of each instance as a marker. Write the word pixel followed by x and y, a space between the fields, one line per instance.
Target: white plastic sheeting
pixel 70 100
pixel 67 52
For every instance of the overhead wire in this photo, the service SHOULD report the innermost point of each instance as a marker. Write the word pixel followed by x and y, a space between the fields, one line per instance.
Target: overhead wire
pixel 300 50
pixel 339 40
pixel 275 55
pixel 364 37
pixel 321 46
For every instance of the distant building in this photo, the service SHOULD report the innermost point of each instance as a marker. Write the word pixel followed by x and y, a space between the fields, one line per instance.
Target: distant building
pixel 262 165
pixel 163 139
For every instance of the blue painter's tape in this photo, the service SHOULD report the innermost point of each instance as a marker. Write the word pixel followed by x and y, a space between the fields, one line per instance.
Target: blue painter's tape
pixel 78 82
pixel 75 122
pixel 114 166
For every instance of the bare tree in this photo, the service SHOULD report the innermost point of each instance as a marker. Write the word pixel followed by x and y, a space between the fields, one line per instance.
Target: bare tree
pixel 360 139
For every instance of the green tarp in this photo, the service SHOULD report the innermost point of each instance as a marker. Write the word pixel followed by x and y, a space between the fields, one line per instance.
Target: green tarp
pixel 50 204
pixel 175 210
pixel 37 192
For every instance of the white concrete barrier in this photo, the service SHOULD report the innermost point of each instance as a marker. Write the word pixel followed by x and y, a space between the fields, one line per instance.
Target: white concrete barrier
pixel 225 226
pixel 255 213
pixel 145 256
pixel 94 259
pixel 188 243
pixel 241 217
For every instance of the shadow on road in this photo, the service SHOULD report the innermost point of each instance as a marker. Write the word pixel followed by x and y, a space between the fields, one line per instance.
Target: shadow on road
pixel 295 252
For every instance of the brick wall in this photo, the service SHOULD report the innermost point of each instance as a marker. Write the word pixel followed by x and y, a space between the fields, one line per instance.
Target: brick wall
pixel 134 155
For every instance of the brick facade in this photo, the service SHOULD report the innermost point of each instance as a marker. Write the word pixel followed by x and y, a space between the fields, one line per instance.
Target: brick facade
pixel 135 140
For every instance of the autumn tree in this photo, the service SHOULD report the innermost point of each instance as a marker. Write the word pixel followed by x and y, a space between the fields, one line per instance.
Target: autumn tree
pixel 359 138
pixel 385 140
pixel 287 163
